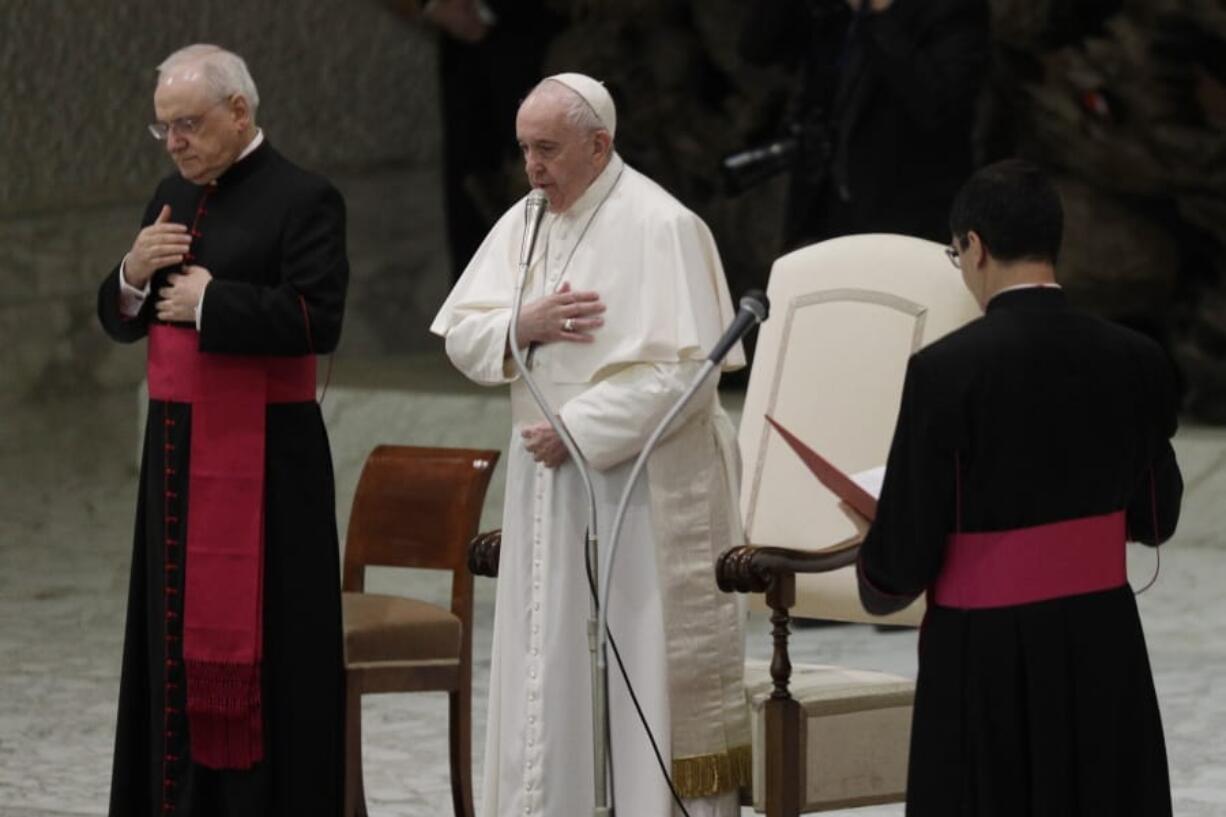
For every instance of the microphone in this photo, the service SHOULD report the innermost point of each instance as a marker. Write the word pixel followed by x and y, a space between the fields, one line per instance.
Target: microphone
pixel 534 210
pixel 754 308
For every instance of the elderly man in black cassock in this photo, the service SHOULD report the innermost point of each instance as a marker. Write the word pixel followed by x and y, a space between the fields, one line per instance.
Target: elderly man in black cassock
pixel 1030 445
pixel 231 698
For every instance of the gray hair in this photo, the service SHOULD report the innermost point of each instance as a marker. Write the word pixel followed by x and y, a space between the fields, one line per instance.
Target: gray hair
pixel 223 71
pixel 576 109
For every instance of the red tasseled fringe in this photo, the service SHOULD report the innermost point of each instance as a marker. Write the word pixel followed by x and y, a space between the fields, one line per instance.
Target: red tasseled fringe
pixel 224 715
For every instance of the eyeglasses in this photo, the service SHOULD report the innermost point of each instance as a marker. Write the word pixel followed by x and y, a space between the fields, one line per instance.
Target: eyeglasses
pixel 954 256
pixel 184 125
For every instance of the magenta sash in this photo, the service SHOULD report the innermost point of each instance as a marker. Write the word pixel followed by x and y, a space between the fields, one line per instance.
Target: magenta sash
pixel 223 602
pixel 1025 565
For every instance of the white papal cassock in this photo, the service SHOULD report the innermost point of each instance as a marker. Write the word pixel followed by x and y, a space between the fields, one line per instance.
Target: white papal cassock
pixel 656 267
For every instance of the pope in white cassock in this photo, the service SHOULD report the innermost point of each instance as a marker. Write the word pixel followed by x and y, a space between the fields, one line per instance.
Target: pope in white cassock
pixel 625 296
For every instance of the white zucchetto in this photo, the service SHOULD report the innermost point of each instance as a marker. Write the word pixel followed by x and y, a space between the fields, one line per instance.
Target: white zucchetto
pixel 594 94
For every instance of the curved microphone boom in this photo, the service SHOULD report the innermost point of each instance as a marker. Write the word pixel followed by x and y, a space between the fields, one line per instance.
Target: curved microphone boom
pixel 534 211
pixel 754 308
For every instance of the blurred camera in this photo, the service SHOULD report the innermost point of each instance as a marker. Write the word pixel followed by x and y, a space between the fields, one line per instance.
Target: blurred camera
pixel 804 148
pixel 749 168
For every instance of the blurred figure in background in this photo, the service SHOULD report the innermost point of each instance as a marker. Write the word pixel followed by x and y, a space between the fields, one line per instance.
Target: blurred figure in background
pixel 879 133
pixel 490 56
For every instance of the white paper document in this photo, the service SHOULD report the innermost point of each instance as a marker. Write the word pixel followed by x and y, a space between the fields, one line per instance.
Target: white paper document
pixel 870 480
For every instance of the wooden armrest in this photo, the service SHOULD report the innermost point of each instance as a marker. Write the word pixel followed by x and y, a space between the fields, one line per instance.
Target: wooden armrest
pixel 483 553
pixel 753 569
pixel 772 570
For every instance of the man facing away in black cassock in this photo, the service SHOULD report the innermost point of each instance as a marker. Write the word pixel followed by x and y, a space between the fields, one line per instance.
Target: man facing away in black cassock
pixel 1030 445
pixel 231 700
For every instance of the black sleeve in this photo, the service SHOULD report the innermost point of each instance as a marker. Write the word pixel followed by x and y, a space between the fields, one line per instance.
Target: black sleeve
pixel 1153 510
pixel 901 554
pixel 119 327
pixel 300 315
pixel 936 68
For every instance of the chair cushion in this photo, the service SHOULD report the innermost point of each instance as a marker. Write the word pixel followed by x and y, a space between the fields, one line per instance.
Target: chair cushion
pixel 855 738
pixel 394 628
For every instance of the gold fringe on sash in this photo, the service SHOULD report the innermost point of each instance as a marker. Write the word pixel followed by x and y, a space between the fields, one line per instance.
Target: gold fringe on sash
pixel 707 775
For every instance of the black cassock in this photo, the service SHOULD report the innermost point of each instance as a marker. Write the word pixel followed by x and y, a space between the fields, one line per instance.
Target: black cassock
pixel 273 237
pixel 1031 415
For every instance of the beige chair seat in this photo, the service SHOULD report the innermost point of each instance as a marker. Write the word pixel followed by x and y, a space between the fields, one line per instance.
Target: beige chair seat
pixel 855 736
pixel 382 628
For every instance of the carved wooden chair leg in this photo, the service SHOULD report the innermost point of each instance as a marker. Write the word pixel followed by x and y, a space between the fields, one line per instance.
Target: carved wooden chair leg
pixel 355 792
pixel 785 783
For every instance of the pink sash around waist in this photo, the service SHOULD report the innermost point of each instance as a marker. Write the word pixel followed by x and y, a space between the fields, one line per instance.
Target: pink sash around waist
pixel 1005 568
pixel 223 595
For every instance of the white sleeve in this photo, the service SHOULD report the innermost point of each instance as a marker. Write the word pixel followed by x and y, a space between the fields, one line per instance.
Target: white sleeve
pixel 200 306
pixel 612 420
pixel 131 299
pixel 477 347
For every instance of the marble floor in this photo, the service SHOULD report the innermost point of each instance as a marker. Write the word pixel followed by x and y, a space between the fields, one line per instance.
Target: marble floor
pixel 66 511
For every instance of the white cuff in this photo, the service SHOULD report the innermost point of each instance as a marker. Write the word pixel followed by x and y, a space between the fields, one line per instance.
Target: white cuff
pixel 200 307
pixel 131 299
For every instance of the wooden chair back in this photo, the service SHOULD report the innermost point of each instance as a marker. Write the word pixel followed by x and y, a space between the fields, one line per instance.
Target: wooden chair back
pixel 416 507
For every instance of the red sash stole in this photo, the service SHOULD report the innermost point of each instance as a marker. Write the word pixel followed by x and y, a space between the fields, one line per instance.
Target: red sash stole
pixel 1025 565
pixel 223 602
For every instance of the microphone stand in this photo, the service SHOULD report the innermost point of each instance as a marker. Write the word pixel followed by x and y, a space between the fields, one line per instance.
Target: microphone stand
pixel 606 576
pixel 755 305
pixel 600 715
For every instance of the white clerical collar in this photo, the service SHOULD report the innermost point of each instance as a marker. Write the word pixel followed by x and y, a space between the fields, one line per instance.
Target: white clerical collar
pixel 597 190
pixel 1016 287
pixel 252 145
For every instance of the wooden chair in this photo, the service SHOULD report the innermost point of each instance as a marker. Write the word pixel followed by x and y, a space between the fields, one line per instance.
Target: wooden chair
pixel 414 507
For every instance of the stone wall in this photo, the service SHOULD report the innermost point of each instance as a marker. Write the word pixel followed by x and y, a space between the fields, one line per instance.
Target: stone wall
pixel 346 89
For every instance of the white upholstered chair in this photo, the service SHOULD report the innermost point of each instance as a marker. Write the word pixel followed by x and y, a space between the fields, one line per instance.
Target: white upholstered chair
pixel 845 316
